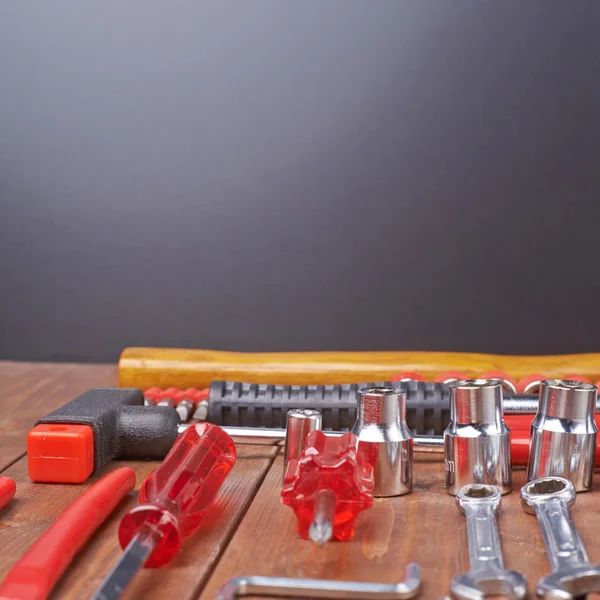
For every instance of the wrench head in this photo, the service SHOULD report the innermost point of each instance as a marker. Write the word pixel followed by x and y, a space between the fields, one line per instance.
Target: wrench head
pixel 478 493
pixel 546 488
pixel 475 586
pixel 568 584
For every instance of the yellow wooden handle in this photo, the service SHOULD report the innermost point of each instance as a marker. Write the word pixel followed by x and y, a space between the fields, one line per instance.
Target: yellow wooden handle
pixel 164 367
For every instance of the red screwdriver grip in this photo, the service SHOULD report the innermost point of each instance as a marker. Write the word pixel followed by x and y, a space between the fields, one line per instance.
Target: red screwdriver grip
pixel 178 494
pixel 36 573
pixel 7 491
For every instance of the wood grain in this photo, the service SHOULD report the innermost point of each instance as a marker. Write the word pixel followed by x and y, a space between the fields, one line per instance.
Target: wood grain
pixel 29 391
pixel 38 505
pixel 250 532
pixel 181 368
pixel 424 527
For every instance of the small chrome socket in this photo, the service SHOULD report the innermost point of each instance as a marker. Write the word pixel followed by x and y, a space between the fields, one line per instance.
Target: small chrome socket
pixel 563 433
pixel 384 439
pixel 477 440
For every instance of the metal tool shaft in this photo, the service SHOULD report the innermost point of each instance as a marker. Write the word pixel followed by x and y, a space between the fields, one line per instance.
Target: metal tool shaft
pixel 427 443
pixel 132 559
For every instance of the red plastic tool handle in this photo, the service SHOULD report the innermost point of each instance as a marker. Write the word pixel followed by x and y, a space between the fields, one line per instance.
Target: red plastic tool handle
pixel 329 464
pixel 36 573
pixel 176 496
pixel 7 491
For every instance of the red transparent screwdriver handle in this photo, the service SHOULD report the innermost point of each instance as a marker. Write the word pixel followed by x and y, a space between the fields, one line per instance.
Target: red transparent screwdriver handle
pixel 178 494
pixel 329 469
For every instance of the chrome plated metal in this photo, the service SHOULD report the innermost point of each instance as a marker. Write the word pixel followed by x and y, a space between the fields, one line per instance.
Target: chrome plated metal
pixel 321 528
pixel 130 562
pixel 201 411
pixel 477 441
pixel 298 424
pixel 563 433
pixel 385 439
pixel 533 387
pixel 423 443
pixel 288 587
pixel 488 577
pixel 520 405
pixel 185 409
pixel 167 402
pixel 572 574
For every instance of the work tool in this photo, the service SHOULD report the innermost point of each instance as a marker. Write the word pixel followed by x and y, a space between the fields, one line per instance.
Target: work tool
pixel 563 433
pixel 519 441
pixel 384 438
pixel 488 577
pixel 328 486
pixel 36 573
pixel 8 489
pixel 147 367
pixel 81 437
pixel 299 423
pixel 234 404
pixel 476 441
pixel 572 574
pixel 322 588
pixel 175 499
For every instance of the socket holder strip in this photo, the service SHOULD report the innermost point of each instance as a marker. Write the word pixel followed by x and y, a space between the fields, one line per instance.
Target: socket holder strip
pixel 233 404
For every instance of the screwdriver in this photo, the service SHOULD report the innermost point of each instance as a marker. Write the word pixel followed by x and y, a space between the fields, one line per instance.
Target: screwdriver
pixel 174 500
pixel 328 486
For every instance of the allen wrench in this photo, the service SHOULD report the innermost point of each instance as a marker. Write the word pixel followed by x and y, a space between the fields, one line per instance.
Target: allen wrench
pixel 289 587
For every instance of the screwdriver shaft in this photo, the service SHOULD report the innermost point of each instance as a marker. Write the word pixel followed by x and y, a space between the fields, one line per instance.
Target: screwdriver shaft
pixel 131 561
pixel 321 528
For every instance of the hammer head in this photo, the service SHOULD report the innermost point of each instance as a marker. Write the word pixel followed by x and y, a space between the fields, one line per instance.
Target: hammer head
pixel 82 436
pixel 501 582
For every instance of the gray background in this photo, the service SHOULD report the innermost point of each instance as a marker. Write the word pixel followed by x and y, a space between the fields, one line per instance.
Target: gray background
pixel 298 175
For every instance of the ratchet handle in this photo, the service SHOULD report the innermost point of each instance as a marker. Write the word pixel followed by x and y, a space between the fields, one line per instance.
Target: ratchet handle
pixel 178 494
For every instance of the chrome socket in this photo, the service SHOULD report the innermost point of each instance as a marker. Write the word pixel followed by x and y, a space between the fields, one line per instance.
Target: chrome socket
pixel 477 440
pixel 563 433
pixel 299 423
pixel 384 439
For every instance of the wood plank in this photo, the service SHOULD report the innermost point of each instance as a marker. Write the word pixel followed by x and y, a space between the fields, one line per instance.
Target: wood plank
pixel 31 390
pixel 38 505
pixel 424 527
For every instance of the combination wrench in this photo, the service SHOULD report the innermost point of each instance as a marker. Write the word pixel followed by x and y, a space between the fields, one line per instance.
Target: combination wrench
pixel 572 574
pixel 488 577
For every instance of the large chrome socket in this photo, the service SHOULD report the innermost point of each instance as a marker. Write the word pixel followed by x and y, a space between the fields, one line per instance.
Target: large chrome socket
pixel 477 440
pixel 384 439
pixel 563 433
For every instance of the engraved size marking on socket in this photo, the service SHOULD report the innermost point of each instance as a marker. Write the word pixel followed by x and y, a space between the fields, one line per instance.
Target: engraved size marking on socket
pixel 572 574
pixel 488 577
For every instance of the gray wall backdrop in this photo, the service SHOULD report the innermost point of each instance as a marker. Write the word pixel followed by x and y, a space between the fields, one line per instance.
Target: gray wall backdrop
pixel 298 175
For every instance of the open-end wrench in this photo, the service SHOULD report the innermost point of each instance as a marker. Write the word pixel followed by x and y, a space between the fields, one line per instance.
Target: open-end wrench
pixel 287 587
pixel 488 577
pixel 572 574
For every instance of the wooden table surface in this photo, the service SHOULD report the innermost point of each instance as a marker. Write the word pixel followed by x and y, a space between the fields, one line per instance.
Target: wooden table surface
pixel 249 532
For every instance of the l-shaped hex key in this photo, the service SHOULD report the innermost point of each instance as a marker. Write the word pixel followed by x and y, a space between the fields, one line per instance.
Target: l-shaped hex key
pixel 322 588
